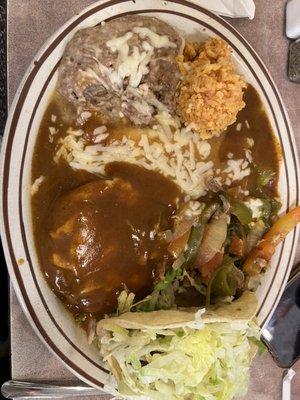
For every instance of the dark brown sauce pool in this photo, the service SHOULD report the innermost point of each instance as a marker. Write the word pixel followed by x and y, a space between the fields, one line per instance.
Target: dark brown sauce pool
pixel 101 237
pixel 95 237
pixel 265 152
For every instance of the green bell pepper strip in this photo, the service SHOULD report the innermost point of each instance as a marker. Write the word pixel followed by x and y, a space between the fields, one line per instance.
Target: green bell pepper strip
pixel 190 254
pixel 264 177
pixel 223 283
pixel 194 241
pixel 241 211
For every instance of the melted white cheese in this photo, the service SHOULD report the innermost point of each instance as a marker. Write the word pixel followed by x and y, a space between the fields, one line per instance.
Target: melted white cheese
pixel 157 41
pixel 255 206
pixel 236 170
pixel 134 65
pixel 173 150
pixel 36 185
pixel 118 43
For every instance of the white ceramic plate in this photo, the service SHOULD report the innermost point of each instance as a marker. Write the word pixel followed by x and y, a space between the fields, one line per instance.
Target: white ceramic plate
pixel 45 312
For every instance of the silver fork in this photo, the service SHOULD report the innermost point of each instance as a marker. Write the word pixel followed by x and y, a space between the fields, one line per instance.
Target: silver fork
pixel 29 390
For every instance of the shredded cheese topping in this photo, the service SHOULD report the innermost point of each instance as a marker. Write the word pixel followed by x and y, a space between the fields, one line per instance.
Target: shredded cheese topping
pixel 175 151
pixel 134 65
pixel 236 170
pixel 157 41
pixel 255 206
pixel 36 185
pixel 168 147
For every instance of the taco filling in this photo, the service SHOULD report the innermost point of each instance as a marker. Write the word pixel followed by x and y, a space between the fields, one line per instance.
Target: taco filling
pixel 182 354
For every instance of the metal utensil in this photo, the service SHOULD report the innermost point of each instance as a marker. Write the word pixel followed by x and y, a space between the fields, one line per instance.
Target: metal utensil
pixel 29 390
pixel 282 333
pixel 288 375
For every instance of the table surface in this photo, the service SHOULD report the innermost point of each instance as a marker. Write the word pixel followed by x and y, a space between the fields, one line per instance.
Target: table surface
pixel 30 23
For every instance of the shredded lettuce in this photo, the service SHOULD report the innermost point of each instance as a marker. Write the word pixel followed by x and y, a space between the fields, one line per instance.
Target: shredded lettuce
pixel 261 347
pixel 125 302
pixel 211 363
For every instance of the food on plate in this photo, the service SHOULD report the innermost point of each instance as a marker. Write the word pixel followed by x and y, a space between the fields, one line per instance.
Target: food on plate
pixel 211 92
pixel 105 223
pixel 262 253
pixel 182 354
pixel 155 207
pixel 132 74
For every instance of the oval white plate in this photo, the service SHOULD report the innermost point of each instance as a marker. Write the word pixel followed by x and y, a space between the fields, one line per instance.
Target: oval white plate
pixel 45 312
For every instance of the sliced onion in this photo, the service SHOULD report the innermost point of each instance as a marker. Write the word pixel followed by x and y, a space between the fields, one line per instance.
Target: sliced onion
pixel 238 246
pixel 213 240
pixel 225 202
pixel 240 278
pixel 255 234
pixel 208 269
pixel 182 226
pixel 178 245
pixel 180 236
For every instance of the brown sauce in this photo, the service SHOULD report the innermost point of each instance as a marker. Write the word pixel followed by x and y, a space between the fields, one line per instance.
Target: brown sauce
pixel 108 243
pixel 101 238
pixel 265 151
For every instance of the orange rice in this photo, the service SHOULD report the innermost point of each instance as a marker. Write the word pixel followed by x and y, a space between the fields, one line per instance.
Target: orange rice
pixel 211 93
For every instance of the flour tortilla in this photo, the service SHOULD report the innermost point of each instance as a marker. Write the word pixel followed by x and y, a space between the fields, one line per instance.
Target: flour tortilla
pixel 240 310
